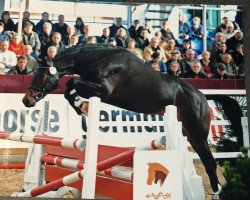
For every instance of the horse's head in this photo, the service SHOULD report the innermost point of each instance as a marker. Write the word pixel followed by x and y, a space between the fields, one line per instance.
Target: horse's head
pixel 156 172
pixel 45 80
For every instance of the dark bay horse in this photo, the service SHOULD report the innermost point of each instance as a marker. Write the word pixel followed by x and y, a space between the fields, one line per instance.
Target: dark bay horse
pixel 121 79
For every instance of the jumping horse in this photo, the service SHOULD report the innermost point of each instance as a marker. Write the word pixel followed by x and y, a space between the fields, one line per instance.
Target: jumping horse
pixel 121 79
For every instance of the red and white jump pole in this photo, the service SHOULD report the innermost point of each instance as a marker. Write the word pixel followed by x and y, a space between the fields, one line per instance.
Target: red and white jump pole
pixel 106 164
pixel 44 139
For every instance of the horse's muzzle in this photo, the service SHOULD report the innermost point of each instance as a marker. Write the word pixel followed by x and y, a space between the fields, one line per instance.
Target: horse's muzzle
pixel 29 100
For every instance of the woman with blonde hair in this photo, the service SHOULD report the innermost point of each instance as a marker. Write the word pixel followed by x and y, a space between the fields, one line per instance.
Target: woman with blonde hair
pixel 16 45
pixel 122 38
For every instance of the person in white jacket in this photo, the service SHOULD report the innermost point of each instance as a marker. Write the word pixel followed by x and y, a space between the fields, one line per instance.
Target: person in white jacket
pixel 8 58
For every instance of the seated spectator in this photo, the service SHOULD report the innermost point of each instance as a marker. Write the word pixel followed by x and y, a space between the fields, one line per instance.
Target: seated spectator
pixel 162 41
pixel 3 34
pixel 7 21
pixel 185 46
pixel 206 64
pixel 196 71
pixel 171 45
pixel 116 26
pixel 220 72
pixel 84 36
pixel 60 26
pixel 111 42
pixel 103 39
pixel 148 27
pixel 31 38
pixel 156 64
pixel 73 41
pixel 122 38
pixel 45 35
pixel 219 38
pixel 21 67
pixel 142 41
pixel 135 29
pixel 236 39
pixel 174 69
pixel 190 57
pixel 221 52
pixel 196 28
pixel 8 58
pixel 184 28
pixel 32 63
pixel 70 32
pixel 56 41
pixel 15 45
pixel 39 25
pixel 176 56
pixel 91 40
pixel 136 51
pixel 231 68
pixel 229 32
pixel 79 25
pixel 223 26
pixel 238 58
pixel 166 33
pixel 26 18
pixel 154 47
pixel 51 53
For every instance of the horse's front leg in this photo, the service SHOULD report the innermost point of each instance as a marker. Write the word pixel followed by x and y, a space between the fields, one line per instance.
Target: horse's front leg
pixel 76 88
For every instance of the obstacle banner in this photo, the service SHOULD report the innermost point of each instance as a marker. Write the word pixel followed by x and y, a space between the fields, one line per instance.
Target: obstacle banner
pixel 157 175
pixel 62 121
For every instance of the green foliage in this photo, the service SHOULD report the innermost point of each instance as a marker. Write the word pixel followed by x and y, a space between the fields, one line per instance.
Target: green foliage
pixel 237 178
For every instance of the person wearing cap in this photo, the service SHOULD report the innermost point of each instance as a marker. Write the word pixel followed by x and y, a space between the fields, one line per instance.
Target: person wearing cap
pixel 112 42
pixel 114 28
pixel 175 56
pixel 156 64
pixel 174 69
pixel 196 71
pixel 154 46
pixel 135 29
pixel 220 72
pixel 207 65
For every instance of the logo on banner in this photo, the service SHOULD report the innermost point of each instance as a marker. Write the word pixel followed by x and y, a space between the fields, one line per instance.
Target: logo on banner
pixel 157 173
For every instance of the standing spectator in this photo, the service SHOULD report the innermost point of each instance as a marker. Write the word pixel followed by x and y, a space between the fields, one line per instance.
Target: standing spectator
pixel 223 26
pixel 184 28
pixel 30 37
pixel 70 32
pixel 60 26
pixel 39 25
pixel 79 25
pixel 196 71
pixel 196 28
pixel 15 45
pixel 56 41
pixel 8 23
pixel 237 39
pixel 174 69
pixel 8 58
pixel 103 39
pixel 190 57
pixel 122 38
pixel 238 58
pixel 45 35
pixel 32 63
pixel 135 29
pixel 142 41
pixel 136 51
pixel 3 34
pixel 207 65
pixel 154 47
pixel 166 32
pixel 117 25
pixel 73 41
pixel 171 45
pixel 26 18
pixel 156 64
pixel 21 67
pixel 220 72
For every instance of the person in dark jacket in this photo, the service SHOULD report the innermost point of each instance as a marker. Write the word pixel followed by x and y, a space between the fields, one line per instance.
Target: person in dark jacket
pixel 39 25
pixel 79 25
pixel 21 67
pixel 142 41
pixel 114 28
pixel 195 72
pixel 156 64
pixel 237 39
pixel 45 35
pixel 220 72
pixel 166 32
pixel 60 26
pixel 196 28
pixel 8 22
pixel 135 29
pixel 122 38
pixel 184 28
pixel 26 18
pixel 104 38
pixel 238 58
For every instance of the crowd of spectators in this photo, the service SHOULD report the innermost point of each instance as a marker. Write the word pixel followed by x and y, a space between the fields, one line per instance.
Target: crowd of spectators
pixel 159 49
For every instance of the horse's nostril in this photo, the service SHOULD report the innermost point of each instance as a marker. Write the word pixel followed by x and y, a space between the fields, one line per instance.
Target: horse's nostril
pixel 25 101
